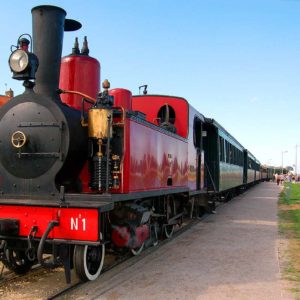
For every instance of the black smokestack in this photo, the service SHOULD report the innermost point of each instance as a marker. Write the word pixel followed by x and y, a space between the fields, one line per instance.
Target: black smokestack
pixel 48 25
pixel 48 30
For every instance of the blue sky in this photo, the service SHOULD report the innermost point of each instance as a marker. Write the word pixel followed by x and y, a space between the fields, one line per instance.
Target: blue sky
pixel 237 61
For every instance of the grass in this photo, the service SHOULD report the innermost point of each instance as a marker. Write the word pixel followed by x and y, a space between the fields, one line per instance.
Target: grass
pixel 289 227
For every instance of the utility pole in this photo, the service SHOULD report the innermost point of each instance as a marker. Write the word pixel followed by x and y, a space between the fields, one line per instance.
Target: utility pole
pixel 296 160
pixel 282 152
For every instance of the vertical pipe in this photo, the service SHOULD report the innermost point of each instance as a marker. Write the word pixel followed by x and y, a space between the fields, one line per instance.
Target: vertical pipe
pixel 296 161
pixel 282 162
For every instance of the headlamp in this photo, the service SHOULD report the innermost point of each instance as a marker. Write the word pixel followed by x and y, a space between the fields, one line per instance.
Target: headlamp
pixel 18 61
pixel 23 63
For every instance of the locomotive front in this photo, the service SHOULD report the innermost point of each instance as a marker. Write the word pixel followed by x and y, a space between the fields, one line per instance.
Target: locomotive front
pixel 44 148
pixel 40 137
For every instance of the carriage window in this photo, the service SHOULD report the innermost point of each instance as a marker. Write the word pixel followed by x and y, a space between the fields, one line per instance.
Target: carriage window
pixel 197 132
pixel 166 114
pixel 240 158
pixel 166 117
pixel 227 151
pixel 222 152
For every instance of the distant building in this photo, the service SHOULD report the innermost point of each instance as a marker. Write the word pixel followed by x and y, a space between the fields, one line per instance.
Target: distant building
pixel 5 98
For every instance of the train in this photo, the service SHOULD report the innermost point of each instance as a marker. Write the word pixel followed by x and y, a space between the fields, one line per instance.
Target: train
pixel 83 170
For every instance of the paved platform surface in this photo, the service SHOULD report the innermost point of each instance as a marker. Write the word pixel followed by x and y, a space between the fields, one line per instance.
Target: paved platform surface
pixel 230 255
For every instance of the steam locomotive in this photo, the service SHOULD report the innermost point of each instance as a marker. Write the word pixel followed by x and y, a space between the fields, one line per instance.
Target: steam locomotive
pixel 83 170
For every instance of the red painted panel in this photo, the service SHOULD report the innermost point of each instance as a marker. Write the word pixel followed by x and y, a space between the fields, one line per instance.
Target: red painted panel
pixel 192 153
pixel 125 164
pixel 130 237
pixel 78 224
pixel 151 104
pixel 120 236
pixel 202 170
pixel 79 73
pixel 74 223
pixel 84 178
pixel 3 100
pixel 155 157
pixel 122 98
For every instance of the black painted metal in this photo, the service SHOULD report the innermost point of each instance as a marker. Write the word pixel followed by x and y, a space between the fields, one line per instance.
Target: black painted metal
pixel 48 24
pixel 9 226
pixel 72 25
pixel 55 136
pixel 65 257
pixel 149 194
pixel 48 28
pixel 47 264
pixel 98 172
pixel 72 201
pixel 55 140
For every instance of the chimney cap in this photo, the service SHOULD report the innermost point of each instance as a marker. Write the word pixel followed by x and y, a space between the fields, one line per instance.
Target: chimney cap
pixel 48 7
pixel 70 24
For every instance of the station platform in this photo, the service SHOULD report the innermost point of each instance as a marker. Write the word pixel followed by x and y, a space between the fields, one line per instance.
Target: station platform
pixel 232 254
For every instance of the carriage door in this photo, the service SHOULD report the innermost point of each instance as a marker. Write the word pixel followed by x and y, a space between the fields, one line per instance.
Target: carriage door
pixel 199 153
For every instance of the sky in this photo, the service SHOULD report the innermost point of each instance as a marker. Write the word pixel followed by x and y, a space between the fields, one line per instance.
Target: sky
pixel 237 61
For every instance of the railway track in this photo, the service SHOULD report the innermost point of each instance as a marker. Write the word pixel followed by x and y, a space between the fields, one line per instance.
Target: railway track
pixel 7 276
pixel 116 264
pixel 125 262
pixel 109 271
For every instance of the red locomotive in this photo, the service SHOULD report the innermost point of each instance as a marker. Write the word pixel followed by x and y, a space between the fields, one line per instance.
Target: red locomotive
pixel 82 170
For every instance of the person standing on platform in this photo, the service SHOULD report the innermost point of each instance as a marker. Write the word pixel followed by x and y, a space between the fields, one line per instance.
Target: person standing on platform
pixel 277 178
